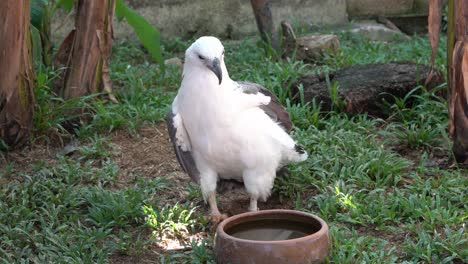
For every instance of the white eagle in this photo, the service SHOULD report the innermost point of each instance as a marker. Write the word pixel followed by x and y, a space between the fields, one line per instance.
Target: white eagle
pixel 222 129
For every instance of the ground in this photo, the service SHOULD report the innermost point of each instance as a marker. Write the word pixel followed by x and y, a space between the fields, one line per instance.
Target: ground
pixel 150 154
pixel 112 190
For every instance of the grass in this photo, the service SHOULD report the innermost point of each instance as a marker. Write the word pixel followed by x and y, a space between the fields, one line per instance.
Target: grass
pixel 376 182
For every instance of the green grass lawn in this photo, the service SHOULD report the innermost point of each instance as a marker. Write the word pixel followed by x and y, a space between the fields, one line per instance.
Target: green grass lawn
pixel 388 189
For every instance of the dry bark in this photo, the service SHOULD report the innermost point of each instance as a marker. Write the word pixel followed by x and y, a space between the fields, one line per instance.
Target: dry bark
pixel 86 51
pixel 459 91
pixel 16 72
pixel 457 68
pixel 434 21
pixel 262 12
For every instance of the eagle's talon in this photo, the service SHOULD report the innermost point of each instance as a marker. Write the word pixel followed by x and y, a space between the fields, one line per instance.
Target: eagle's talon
pixel 215 219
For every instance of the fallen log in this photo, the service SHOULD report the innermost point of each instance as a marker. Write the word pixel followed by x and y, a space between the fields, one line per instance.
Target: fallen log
pixel 364 88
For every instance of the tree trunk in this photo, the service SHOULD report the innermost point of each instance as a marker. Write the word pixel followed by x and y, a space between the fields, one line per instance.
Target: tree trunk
pixel 262 12
pixel 85 52
pixel 16 72
pixel 458 73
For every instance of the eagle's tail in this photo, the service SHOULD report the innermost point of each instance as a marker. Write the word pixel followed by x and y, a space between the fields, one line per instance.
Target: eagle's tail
pixel 297 154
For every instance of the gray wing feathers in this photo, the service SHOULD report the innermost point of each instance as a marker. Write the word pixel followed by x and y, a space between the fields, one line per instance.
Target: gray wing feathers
pixel 274 109
pixel 185 158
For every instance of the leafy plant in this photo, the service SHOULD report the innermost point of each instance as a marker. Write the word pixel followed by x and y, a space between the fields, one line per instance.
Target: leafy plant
pixel 338 104
pixel 53 113
pixel 147 34
pixel 201 253
pixel 419 116
pixel 171 221
pixel 43 10
pixel 41 14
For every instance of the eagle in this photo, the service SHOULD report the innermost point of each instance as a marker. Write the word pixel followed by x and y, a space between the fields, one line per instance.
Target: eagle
pixel 227 130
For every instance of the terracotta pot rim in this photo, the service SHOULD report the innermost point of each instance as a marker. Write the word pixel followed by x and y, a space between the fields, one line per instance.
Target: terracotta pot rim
pixel 321 232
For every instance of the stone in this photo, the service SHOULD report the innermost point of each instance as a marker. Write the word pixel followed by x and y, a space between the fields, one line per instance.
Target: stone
pixel 364 88
pixel 374 31
pixel 360 8
pixel 421 7
pixel 314 47
pixel 228 19
pixel 411 24
pixel 307 48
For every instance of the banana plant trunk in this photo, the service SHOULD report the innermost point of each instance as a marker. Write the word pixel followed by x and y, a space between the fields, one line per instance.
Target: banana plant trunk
pixel 457 68
pixel 16 72
pixel 458 73
pixel 264 19
pixel 85 52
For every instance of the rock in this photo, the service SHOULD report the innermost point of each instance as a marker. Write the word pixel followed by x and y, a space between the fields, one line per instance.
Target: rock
pixel 374 31
pixel 313 47
pixel 363 88
pixel 234 19
pixel 421 7
pixel 307 48
pixel 177 62
pixel 388 23
pixel 411 24
pixel 361 8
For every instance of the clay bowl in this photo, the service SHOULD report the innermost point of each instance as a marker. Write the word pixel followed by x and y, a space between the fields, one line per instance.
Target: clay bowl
pixel 272 236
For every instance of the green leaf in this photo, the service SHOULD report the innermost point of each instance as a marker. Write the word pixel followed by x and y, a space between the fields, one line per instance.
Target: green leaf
pixel 36 44
pixel 120 10
pixel 66 4
pixel 38 11
pixel 148 35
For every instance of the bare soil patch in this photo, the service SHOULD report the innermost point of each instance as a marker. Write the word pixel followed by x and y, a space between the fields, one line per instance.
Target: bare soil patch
pixel 150 154
pixel 22 159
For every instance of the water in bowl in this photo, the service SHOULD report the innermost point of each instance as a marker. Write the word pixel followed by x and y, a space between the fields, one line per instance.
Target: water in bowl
pixel 272 229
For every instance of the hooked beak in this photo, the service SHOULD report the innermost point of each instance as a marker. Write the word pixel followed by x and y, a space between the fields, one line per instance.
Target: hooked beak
pixel 215 67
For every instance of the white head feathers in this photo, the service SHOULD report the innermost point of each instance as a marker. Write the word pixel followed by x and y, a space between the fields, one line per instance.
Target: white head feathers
pixel 206 47
pixel 207 52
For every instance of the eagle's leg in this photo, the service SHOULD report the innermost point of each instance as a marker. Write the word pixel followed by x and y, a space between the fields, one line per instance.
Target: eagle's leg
pixel 215 215
pixel 258 184
pixel 208 180
pixel 253 205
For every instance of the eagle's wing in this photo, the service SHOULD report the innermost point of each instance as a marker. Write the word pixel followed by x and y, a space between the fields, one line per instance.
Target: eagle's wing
pixel 181 143
pixel 274 109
